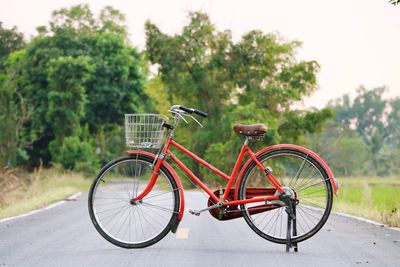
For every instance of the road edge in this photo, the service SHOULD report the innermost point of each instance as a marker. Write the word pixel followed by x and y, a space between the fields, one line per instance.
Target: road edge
pixel 365 220
pixel 71 197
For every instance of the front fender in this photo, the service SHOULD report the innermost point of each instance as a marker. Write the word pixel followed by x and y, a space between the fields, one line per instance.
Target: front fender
pixel 334 182
pixel 174 175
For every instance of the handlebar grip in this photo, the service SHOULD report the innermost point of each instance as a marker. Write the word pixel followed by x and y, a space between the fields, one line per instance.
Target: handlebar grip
pixel 188 110
pixel 200 113
pixel 195 111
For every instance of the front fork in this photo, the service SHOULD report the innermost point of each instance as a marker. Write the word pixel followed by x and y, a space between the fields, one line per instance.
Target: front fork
pixel 158 161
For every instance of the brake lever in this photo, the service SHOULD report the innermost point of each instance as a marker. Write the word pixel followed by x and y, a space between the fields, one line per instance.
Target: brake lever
pixel 201 125
pixel 177 113
pixel 181 114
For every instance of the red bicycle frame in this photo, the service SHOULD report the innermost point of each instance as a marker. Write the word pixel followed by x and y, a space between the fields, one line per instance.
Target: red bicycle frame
pixel 245 149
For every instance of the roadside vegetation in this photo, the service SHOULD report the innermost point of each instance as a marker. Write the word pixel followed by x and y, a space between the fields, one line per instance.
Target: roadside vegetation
pixel 64 93
pixel 22 191
pixel 376 199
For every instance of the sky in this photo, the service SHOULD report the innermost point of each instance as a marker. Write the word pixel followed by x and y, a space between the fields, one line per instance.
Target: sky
pixel 356 42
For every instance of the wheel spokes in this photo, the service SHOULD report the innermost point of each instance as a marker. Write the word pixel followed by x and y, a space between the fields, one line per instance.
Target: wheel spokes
pixel 127 222
pixel 302 176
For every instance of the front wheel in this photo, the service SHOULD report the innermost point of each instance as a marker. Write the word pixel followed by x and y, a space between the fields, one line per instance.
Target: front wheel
pixel 301 175
pixel 126 223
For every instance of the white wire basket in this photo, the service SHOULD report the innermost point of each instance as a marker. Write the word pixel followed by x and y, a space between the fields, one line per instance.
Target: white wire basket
pixel 144 130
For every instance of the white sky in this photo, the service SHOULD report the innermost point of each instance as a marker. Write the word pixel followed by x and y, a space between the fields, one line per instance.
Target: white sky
pixel 356 42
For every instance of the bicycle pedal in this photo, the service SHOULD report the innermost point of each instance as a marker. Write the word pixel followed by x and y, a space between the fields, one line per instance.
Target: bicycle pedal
pixel 194 212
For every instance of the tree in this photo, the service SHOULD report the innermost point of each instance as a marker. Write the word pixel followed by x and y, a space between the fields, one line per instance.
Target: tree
pixel 191 64
pixel 298 124
pixel 10 41
pixel 13 114
pixel 79 70
pixel 377 123
pixel 67 96
pixel 256 78
pixel 13 111
pixel 265 69
pixel 343 149
pixel 367 114
pixel 393 123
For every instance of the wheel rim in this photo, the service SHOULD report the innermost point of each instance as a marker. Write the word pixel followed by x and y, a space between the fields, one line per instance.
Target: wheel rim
pixel 126 222
pixel 311 189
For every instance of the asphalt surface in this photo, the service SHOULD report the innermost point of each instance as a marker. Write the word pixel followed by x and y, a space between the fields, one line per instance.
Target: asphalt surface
pixel 65 236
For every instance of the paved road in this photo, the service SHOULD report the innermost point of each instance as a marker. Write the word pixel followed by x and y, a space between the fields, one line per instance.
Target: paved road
pixel 64 236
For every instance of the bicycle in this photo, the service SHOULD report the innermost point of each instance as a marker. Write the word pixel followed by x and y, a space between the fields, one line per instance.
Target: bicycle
pixel 137 199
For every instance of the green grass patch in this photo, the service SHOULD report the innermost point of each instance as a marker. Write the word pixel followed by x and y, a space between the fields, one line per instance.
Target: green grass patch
pixel 373 198
pixel 43 189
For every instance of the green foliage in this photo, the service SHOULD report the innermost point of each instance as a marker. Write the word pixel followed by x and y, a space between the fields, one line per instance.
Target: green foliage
pixel 109 142
pixel 72 83
pixel 12 110
pixel 254 80
pixel 393 122
pixel 376 121
pixel 8 126
pixel 79 70
pixel 10 40
pixel 116 86
pixel 76 154
pixel 344 151
pixel 264 67
pixel 369 110
pixel 374 198
pixel 67 96
pixel 192 64
pixel 299 123
pixel 364 135
pixel 156 90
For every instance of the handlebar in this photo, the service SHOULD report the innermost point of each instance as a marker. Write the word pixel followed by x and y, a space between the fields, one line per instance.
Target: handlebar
pixel 180 112
pixel 195 111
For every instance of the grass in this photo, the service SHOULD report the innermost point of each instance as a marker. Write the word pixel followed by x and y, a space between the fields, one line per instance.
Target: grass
pixel 372 198
pixel 41 189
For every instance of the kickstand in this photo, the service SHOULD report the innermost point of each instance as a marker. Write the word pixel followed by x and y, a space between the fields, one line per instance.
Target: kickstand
pixel 294 244
pixel 291 231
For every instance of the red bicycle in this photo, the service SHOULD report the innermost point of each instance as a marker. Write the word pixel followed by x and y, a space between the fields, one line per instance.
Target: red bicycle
pixel 284 192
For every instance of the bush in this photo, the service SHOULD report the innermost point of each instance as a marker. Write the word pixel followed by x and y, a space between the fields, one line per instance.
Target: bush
pixel 75 154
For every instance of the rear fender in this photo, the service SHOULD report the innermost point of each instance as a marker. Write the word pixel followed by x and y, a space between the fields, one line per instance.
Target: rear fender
pixel 334 182
pixel 174 175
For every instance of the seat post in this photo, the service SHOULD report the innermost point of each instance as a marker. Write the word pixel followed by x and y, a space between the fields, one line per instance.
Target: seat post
pixel 246 141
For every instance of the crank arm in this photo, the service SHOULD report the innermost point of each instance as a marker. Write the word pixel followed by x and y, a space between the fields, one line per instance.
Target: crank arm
pixel 197 212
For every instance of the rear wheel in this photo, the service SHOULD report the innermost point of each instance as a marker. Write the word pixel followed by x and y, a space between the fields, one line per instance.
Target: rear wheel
pixel 133 225
pixel 301 175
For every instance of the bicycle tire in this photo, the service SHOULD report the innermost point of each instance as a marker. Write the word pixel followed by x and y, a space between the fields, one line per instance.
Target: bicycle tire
pixel 147 210
pixel 303 205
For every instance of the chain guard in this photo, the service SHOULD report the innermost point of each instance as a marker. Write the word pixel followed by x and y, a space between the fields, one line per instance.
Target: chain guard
pixel 233 211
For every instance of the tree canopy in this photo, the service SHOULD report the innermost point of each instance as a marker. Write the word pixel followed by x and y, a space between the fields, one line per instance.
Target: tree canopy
pixel 10 41
pixel 364 136
pixel 79 71
pixel 254 80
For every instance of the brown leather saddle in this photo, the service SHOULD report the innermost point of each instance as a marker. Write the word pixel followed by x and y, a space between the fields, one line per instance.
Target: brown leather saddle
pixel 251 130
